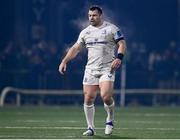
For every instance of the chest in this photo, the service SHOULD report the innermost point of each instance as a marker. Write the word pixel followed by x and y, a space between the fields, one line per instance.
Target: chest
pixel 98 35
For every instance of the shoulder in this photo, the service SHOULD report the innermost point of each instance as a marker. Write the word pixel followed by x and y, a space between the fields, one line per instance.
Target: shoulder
pixel 85 31
pixel 112 26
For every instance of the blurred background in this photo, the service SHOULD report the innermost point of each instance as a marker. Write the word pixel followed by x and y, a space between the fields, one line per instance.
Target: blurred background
pixel 36 34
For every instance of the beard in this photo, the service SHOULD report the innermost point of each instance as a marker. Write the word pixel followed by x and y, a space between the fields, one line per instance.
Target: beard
pixel 93 23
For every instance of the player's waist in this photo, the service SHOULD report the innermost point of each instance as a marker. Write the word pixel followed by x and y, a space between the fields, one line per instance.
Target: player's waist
pixel 101 67
pixel 97 71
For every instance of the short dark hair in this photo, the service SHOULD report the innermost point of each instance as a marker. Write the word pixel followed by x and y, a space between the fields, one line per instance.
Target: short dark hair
pixel 96 7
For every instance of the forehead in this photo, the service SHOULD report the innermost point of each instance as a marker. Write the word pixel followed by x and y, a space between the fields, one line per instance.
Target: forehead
pixel 93 12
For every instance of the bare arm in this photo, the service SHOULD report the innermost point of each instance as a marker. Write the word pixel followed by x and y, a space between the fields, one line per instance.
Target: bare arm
pixel 121 50
pixel 121 46
pixel 73 51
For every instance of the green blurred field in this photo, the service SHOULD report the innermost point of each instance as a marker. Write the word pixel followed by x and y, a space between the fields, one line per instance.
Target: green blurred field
pixel 69 123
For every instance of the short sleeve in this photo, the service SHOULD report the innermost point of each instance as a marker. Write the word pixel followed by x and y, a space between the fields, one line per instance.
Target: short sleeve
pixel 117 34
pixel 81 38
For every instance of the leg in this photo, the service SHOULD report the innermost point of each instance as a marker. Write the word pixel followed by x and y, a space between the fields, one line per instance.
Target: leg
pixel 89 110
pixel 106 89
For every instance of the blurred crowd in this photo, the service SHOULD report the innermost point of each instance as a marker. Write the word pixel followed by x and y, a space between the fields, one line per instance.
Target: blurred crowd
pixel 162 67
pixel 146 68
pixel 40 56
pixel 35 65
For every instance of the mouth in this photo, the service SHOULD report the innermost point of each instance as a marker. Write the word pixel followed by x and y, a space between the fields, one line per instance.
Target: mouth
pixel 92 22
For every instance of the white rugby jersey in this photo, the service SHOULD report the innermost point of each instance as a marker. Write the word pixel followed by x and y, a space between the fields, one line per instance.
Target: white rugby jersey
pixel 100 42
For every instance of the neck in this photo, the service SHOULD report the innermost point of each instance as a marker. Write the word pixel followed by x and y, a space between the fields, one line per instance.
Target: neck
pixel 100 23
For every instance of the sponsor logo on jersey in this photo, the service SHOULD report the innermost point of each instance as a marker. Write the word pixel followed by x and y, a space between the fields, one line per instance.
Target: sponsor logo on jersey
pixel 96 39
pixel 95 42
pixel 118 35
pixel 104 32
pixel 88 32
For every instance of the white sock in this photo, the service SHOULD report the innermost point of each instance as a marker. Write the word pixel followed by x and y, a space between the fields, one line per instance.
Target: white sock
pixel 110 112
pixel 89 111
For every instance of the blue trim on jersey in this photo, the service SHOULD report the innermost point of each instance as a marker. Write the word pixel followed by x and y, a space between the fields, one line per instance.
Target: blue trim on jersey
pixel 117 40
pixel 118 35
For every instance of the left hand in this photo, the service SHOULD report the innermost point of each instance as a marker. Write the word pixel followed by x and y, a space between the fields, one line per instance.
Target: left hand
pixel 116 64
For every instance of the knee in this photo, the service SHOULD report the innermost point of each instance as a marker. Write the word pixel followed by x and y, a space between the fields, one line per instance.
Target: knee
pixel 88 99
pixel 107 99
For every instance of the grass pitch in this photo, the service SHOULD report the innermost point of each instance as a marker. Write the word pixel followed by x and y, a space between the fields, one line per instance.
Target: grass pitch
pixel 69 123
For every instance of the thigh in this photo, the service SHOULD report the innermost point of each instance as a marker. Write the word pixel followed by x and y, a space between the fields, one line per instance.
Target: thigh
pixel 90 94
pixel 106 88
pixel 90 90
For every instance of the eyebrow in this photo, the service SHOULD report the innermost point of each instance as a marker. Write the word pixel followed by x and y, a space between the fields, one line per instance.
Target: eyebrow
pixel 92 14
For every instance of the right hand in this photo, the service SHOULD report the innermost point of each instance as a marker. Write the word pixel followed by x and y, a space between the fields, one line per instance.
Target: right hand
pixel 115 64
pixel 62 67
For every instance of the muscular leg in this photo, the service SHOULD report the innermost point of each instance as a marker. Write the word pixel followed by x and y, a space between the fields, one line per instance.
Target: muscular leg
pixel 106 89
pixel 89 97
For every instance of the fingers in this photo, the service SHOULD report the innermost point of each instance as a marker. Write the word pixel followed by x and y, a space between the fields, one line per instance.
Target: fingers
pixel 62 68
pixel 116 64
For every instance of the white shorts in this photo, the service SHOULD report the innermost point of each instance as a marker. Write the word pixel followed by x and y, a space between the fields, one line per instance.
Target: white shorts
pixel 94 77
